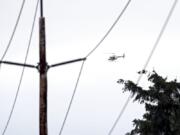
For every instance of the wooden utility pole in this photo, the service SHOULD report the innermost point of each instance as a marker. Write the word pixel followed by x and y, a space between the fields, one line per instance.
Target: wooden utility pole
pixel 43 79
pixel 43 126
pixel 42 68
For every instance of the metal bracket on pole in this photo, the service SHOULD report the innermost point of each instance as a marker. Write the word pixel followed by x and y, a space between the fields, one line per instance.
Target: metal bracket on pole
pixel 66 62
pixel 38 66
pixel 18 64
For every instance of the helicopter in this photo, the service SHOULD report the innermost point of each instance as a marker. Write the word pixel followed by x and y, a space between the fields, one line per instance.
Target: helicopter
pixel 115 57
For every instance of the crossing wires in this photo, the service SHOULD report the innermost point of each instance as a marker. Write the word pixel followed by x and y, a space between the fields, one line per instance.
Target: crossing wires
pixel 146 64
pixel 88 55
pixel 22 73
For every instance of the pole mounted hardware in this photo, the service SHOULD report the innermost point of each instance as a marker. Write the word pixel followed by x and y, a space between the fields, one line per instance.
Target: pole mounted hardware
pixel 38 65
pixel 18 64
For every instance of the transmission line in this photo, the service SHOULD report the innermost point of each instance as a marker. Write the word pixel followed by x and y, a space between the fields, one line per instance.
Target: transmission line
pixel 72 98
pixel 110 29
pixel 13 32
pixel 98 44
pixel 22 73
pixel 146 64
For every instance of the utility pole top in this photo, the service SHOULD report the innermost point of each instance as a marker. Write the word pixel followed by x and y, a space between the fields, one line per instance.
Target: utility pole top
pixel 41 8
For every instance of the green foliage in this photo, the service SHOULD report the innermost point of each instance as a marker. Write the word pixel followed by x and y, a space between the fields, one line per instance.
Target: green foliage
pixel 162 105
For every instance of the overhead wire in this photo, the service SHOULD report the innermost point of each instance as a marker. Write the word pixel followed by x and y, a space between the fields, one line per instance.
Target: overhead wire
pixel 22 73
pixel 88 55
pixel 72 99
pixel 110 29
pixel 13 32
pixel 146 64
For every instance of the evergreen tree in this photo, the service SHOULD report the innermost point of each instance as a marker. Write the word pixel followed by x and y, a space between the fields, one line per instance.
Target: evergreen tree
pixel 162 105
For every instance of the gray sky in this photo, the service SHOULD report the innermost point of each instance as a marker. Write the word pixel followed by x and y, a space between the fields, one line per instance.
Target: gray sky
pixel 73 28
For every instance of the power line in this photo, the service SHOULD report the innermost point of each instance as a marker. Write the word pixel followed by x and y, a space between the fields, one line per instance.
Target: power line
pixel 146 64
pixel 98 44
pixel 14 30
pixel 22 73
pixel 72 98
pixel 110 29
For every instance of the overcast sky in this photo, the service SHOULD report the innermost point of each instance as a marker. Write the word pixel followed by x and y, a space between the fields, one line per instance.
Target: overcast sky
pixel 73 28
